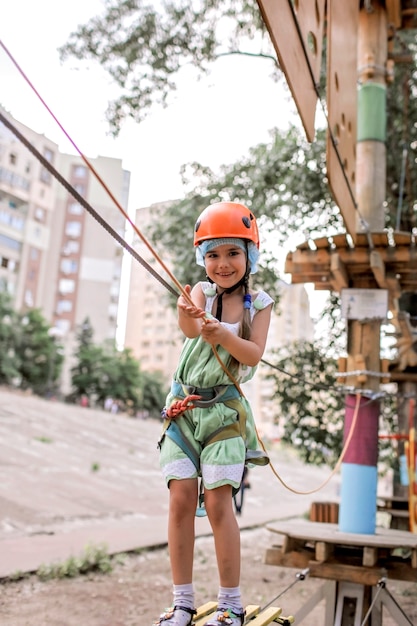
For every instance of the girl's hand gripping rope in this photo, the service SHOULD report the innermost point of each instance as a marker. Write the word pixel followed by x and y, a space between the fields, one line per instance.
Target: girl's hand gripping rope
pixel 179 407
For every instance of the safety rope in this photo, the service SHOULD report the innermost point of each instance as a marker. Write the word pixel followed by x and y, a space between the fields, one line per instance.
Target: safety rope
pixel 382 586
pixel 299 577
pixel 338 463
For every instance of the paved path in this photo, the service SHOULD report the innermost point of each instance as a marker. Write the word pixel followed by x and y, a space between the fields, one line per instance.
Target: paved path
pixel 72 476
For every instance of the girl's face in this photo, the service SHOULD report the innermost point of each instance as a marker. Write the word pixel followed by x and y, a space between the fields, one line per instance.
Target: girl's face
pixel 225 265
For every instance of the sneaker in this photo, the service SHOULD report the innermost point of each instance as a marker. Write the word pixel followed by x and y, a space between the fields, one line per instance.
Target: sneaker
pixel 228 617
pixel 176 616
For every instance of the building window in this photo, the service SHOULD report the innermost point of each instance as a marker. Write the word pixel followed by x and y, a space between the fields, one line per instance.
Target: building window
pixel 12 158
pixel 71 247
pixel 29 298
pixel 8 242
pixel 75 208
pixel 79 171
pixel 39 214
pixel 80 189
pixel 66 285
pixel 69 266
pixel 48 154
pixel 73 229
pixel 45 176
pixel 64 306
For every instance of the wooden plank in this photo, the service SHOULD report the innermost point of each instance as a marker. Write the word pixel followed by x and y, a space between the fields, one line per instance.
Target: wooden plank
pixel 342 62
pixel 254 615
pixel 251 610
pixel 370 556
pixel 203 611
pixel 378 268
pixel 394 13
pixel 323 550
pixel 300 63
pixel 297 560
pixel 338 270
pixel 266 616
pixel 315 531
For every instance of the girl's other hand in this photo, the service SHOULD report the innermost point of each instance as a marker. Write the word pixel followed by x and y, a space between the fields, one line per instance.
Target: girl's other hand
pixel 212 331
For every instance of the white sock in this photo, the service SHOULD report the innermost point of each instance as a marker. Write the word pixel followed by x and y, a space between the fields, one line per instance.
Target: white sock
pixel 184 595
pixel 230 598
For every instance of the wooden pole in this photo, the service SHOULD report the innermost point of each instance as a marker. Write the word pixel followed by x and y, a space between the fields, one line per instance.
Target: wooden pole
pixel 359 469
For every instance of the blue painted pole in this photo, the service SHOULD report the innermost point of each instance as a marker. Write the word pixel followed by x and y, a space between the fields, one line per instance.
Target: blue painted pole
pixel 357 512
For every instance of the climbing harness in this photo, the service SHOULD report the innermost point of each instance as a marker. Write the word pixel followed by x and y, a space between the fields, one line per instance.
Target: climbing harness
pixel 188 397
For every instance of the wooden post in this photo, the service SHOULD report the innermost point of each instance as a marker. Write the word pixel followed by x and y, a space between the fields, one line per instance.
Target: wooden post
pixel 359 469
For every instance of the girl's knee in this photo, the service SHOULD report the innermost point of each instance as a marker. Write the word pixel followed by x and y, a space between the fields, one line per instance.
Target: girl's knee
pixel 183 497
pixel 218 502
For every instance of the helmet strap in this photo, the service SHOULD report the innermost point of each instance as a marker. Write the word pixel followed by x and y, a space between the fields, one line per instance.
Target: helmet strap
pixel 219 308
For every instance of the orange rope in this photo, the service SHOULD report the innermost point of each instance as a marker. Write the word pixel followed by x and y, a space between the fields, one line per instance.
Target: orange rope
pixel 339 462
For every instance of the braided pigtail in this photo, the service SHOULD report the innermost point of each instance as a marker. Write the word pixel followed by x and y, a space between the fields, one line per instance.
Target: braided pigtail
pixel 246 323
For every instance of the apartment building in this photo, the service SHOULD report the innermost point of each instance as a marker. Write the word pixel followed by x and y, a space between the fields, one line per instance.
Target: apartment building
pixel 53 254
pixel 152 331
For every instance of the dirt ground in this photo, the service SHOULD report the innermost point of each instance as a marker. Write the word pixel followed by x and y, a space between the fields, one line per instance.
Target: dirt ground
pixel 139 588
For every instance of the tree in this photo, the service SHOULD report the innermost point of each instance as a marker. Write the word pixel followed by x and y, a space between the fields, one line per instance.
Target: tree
pixel 283 182
pixel 153 393
pixel 309 408
pixel 120 379
pixel 9 360
pixel 85 375
pixel 144 48
pixel 40 357
pixel 401 189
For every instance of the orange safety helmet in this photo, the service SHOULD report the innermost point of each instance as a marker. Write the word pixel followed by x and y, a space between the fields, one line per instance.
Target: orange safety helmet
pixel 226 219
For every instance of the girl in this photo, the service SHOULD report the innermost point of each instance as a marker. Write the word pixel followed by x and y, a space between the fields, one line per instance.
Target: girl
pixel 210 430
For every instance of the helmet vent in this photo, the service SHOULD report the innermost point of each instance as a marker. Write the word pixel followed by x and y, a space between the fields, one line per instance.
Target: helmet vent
pixel 246 221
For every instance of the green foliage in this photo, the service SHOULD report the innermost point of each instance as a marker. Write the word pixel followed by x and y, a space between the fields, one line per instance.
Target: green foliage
pixel 144 48
pixel 102 372
pixel 94 559
pixel 40 356
pixel 401 183
pixel 153 393
pixel 86 373
pixel 309 406
pixel 120 379
pixel 9 360
pixel 44 439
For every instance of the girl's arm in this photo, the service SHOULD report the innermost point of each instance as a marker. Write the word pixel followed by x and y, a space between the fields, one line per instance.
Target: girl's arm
pixel 190 316
pixel 246 351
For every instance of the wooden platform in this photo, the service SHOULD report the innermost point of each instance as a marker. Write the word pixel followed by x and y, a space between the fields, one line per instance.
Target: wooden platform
pixel 331 554
pixel 255 616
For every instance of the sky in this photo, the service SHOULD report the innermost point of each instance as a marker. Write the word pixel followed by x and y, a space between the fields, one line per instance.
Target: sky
pixel 213 122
